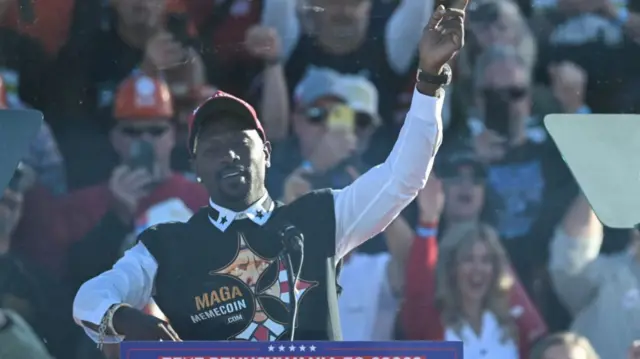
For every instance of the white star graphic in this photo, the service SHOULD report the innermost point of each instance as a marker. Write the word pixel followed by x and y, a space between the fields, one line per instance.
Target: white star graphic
pixel 271 347
pixel 312 348
pixel 302 348
pixel 281 348
pixel 292 348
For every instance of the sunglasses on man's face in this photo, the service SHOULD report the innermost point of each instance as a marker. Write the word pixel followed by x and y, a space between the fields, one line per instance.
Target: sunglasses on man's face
pixel 154 131
pixel 511 92
pixel 318 115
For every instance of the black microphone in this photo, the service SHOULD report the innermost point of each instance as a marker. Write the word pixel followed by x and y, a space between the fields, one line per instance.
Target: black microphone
pixel 293 242
pixel 292 238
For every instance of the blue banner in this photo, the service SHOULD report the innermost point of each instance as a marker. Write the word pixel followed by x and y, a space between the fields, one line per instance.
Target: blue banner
pixel 291 350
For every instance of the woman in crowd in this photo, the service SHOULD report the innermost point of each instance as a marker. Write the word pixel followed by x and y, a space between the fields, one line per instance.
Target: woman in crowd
pixel 470 267
pixel 463 177
pixel 472 293
pixel 564 345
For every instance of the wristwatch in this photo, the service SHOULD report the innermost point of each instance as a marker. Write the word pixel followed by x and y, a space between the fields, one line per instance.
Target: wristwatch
pixel 441 79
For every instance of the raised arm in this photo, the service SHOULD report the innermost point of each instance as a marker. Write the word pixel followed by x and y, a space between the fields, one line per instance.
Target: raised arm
pixel 575 267
pixel 282 16
pixel 369 204
pixel 130 281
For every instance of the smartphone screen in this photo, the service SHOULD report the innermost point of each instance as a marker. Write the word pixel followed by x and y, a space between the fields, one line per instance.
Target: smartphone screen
pixel 342 117
pixel 497 112
pixel 141 155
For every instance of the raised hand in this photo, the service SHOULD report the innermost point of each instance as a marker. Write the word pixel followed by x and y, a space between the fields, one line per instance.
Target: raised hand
pixel 443 36
pixel 263 42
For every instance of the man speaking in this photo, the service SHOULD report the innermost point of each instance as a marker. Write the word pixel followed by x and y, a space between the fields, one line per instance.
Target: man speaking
pixel 246 267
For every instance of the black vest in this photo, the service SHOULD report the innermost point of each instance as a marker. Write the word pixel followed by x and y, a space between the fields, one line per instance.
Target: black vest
pixel 233 285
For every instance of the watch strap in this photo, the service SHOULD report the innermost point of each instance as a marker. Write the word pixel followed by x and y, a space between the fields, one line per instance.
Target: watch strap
pixel 441 79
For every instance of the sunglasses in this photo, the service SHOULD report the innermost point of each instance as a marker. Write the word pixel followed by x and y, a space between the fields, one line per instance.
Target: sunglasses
pixel 318 115
pixel 511 92
pixel 457 175
pixel 154 131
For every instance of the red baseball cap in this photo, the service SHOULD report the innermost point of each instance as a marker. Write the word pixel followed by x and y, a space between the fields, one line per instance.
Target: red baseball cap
pixel 222 102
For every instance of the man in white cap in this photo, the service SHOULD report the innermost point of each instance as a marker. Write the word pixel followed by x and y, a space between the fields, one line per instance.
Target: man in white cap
pixel 333 117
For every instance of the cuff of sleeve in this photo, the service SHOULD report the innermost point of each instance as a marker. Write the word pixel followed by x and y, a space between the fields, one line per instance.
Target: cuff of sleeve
pixel 424 107
pixel 95 316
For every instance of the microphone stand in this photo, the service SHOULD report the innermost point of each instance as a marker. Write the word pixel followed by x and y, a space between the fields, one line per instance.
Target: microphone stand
pixel 293 241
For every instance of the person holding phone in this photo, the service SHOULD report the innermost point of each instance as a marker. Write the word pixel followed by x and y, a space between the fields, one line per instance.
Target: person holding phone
pixel 139 189
pixel 333 119
pixel 528 184
pixel 91 226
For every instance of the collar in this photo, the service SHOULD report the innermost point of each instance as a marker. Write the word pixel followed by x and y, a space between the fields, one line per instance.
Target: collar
pixel 259 213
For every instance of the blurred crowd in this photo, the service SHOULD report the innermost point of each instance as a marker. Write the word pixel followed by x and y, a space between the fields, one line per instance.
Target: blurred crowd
pixel 500 250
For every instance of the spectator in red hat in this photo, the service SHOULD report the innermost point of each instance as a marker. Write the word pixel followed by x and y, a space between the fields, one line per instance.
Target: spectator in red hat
pixel 94 223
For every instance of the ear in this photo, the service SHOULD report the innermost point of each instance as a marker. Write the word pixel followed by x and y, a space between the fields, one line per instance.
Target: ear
pixel 267 153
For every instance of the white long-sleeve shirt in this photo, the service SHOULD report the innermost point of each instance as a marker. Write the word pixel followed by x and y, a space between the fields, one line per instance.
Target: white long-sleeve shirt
pixel 362 210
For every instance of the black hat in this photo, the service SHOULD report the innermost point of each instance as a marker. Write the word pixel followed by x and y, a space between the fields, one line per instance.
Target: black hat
pixel 450 164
